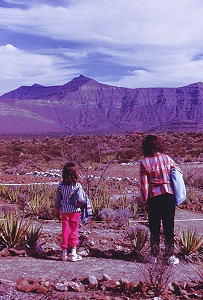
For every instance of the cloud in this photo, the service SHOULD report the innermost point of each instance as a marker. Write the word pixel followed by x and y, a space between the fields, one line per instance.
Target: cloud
pixel 175 75
pixel 121 22
pixel 23 68
pixel 139 43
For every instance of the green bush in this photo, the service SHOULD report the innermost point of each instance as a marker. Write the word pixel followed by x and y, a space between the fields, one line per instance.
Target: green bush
pixel 189 242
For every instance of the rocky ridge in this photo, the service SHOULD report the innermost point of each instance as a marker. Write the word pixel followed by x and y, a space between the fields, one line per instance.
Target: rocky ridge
pixel 85 106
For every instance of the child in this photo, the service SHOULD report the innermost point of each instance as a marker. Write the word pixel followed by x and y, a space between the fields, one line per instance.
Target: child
pixel 69 214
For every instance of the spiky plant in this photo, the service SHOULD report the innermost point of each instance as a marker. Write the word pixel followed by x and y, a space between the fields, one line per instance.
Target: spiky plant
pixel 40 202
pixel 13 194
pixel 189 242
pixel 33 233
pixel 138 236
pixel 13 230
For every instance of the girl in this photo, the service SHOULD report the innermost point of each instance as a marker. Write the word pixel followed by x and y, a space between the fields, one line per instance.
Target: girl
pixel 157 196
pixel 69 213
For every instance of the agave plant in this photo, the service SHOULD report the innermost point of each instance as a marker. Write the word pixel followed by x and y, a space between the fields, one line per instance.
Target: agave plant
pixel 13 194
pixel 140 240
pixel 138 236
pixel 13 230
pixel 40 203
pixel 189 242
pixel 33 233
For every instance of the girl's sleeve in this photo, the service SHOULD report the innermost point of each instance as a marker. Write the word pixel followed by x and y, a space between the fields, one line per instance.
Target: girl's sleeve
pixel 58 198
pixel 144 185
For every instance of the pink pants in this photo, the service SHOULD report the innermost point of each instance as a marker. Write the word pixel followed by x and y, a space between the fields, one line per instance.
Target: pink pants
pixel 70 223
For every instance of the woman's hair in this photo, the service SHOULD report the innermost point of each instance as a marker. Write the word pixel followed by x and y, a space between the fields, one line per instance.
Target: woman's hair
pixel 151 144
pixel 70 173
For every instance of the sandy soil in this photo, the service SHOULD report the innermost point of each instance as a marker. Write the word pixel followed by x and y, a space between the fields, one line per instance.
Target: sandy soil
pixel 11 268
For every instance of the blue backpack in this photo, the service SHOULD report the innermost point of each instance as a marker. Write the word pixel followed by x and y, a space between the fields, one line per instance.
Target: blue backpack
pixel 86 210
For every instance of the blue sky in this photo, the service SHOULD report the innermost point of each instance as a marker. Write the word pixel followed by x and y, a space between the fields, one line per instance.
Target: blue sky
pixel 130 43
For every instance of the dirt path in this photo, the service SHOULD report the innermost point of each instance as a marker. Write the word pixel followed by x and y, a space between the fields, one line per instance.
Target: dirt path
pixel 13 267
pixel 187 219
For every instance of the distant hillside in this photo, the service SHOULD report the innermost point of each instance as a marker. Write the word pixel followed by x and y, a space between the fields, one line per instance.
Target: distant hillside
pixel 84 106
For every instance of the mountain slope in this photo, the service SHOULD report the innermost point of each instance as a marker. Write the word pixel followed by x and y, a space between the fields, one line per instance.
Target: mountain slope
pixel 85 106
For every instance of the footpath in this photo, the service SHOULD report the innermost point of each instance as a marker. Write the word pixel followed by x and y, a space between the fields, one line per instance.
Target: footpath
pixel 12 268
pixel 187 219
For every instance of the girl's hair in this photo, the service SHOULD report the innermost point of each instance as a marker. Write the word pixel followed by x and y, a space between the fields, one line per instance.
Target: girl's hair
pixel 70 173
pixel 151 144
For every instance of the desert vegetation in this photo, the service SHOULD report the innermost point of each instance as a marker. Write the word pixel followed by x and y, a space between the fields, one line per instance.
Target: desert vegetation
pixel 109 168
pixel 100 157
pixel 52 151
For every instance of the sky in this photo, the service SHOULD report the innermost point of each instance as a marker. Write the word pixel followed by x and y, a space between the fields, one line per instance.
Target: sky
pixel 128 43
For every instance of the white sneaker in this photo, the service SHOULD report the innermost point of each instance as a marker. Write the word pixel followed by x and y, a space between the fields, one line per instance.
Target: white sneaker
pixel 173 260
pixel 75 257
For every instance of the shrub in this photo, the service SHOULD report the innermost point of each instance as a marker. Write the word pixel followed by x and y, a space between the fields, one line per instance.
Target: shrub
pixel 33 233
pixel 13 230
pixel 138 235
pixel 157 277
pixel 189 242
pixel 120 216
pixel 40 203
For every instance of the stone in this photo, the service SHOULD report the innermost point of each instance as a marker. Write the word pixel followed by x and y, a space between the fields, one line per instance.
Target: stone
pixel 17 252
pixel 114 285
pixel 27 285
pixel 61 287
pixel 41 289
pixel 106 277
pixel 78 287
pixel 92 281
pixel 5 252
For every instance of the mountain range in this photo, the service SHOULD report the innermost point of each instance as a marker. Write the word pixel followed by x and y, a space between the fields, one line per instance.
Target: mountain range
pixel 85 106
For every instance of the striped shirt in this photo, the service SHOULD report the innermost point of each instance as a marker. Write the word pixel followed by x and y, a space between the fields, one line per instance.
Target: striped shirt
pixel 63 193
pixel 155 175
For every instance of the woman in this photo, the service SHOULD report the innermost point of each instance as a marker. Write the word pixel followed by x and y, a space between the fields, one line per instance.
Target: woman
pixel 157 196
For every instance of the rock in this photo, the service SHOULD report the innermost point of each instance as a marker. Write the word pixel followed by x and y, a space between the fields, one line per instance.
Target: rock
pixel 106 277
pixel 39 250
pixel 5 252
pixel 76 286
pixel 27 285
pixel 113 285
pixel 92 281
pixel 14 251
pixel 83 252
pixel 61 287
pixel 41 289
pixel 126 284
pixel 141 287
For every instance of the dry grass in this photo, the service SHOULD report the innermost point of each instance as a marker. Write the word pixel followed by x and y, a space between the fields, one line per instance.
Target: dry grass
pixel 93 154
pixel 56 150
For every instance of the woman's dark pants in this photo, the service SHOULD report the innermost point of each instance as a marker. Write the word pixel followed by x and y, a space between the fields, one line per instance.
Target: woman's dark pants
pixel 161 207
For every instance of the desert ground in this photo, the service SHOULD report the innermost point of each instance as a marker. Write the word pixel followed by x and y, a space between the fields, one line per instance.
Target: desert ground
pixel 109 168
